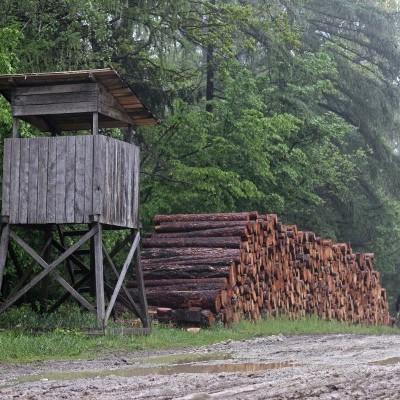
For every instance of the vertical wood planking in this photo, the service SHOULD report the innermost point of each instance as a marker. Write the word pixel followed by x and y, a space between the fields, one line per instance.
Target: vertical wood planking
pixel 88 209
pixel 51 182
pixel 24 181
pixel 99 168
pixel 128 183
pixel 80 179
pixel 70 180
pixel 67 179
pixel 60 180
pixel 136 193
pixel 14 184
pixel 124 186
pixel 114 193
pixel 33 181
pixel 6 178
pixel 108 195
pixel 119 188
pixel 42 180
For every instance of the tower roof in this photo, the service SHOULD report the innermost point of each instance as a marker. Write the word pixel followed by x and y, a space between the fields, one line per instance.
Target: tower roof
pixel 48 101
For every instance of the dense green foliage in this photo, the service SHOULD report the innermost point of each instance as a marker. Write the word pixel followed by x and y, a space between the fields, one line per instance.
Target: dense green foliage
pixel 282 106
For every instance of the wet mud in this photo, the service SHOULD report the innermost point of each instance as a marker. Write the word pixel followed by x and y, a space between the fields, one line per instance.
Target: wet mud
pixel 275 367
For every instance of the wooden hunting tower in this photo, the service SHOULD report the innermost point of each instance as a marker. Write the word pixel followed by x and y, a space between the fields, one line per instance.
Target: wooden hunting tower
pixel 52 183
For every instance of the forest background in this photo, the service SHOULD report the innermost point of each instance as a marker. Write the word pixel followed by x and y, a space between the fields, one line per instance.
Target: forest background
pixel 280 106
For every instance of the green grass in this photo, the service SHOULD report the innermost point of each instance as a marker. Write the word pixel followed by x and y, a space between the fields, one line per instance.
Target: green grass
pixel 20 340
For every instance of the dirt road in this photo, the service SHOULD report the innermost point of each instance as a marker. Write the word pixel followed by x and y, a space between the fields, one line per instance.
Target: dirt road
pixel 275 367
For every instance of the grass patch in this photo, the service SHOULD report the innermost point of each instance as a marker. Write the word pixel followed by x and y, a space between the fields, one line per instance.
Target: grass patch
pixel 20 342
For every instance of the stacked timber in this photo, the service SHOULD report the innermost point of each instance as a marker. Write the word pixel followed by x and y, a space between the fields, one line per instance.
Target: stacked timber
pixel 241 265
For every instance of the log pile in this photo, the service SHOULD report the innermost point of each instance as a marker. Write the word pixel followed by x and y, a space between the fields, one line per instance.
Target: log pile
pixel 241 265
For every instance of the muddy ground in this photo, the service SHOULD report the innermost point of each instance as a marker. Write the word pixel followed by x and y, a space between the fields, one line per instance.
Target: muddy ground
pixel 275 367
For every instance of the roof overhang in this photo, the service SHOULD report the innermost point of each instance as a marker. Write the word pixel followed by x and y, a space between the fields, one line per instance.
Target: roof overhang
pixel 125 99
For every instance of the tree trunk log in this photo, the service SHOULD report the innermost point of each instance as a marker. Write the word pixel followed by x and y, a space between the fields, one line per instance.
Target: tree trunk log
pixel 244 216
pixel 205 242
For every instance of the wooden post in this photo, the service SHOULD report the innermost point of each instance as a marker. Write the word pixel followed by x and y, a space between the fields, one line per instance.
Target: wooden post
pixel 95 123
pixel 129 136
pixel 15 131
pixel 145 317
pixel 5 236
pixel 99 273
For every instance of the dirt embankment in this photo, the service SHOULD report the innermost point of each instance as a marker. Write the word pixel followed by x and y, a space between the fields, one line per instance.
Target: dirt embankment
pixel 275 367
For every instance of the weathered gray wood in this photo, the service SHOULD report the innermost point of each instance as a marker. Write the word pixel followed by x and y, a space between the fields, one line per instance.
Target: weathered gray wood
pixel 95 123
pixel 88 208
pixel 122 276
pixel 5 210
pixel 99 274
pixel 136 182
pixel 119 188
pixel 61 143
pixel 5 236
pixel 33 181
pixel 70 180
pixel 99 168
pixel 73 292
pixel 127 303
pixel 15 169
pixel 42 181
pixel 108 259
pixel 23 182
pixel 108 192
pixel 50 89
pixel 48 267
pixel 54 99
pixel 28 272
pixel 129 187
pixel 49 109
pixel 124 184
pixel 80 179
pixel 60 231
pixel 15 129
pixel 145 317
pixel 110 107
pixel 51 182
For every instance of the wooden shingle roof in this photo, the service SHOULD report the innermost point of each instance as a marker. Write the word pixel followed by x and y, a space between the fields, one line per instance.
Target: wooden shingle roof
pixel 119 97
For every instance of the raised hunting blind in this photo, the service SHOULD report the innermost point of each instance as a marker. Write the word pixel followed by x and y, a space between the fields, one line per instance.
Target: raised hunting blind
pixel 54 184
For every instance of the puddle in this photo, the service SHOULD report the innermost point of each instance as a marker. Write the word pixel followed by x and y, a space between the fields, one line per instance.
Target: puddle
pixel 184 358
pixel 160 370
pixel 388 361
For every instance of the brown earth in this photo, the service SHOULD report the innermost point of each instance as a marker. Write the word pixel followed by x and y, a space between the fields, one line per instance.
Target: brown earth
pixel 274 367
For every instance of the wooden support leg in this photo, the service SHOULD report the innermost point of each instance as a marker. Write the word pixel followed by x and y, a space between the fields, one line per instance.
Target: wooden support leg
pixel 5 237
pixel 121 277
pixel 142 292
pixel 99 273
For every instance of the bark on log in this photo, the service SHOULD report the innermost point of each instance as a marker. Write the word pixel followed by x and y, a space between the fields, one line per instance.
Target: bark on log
pixel 188 226
pixel 189 253
pixel 244 216
pixel 170 282
pixel 235 230
pixel 274 269
pixel 205 242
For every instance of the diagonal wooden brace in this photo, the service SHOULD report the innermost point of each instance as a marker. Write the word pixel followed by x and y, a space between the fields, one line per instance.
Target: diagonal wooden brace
pixel 136 308
pixel 48 268
pixel 5 236
pixel 122 275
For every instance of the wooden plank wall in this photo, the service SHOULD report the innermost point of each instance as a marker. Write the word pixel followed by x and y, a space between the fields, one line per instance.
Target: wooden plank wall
pixel 67 179
pixel 55 99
